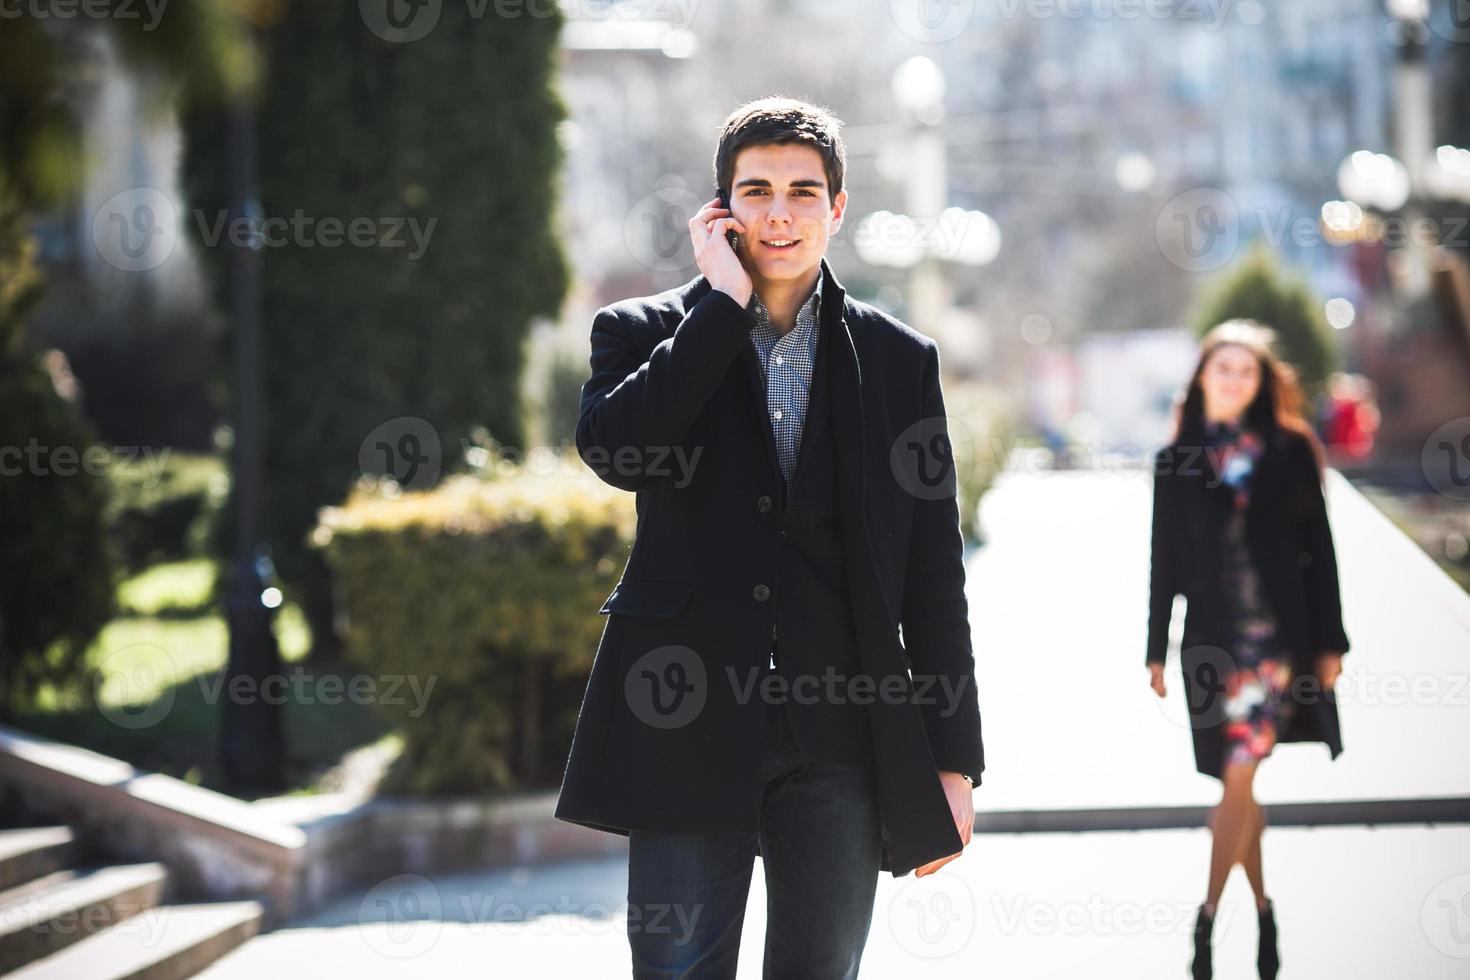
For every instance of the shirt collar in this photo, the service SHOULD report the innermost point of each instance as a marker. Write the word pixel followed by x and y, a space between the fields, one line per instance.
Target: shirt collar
pixel 809 308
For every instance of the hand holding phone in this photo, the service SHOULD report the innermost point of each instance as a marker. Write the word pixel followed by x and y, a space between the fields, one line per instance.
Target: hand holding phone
pixel 721 266
pixel 731 236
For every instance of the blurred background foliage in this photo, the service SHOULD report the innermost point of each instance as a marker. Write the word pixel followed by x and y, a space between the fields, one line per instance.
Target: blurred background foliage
pixel 57 581
pixel 456 132
pixel 488 585
pixel 56 564
pixel 1256 288
pixel 112 586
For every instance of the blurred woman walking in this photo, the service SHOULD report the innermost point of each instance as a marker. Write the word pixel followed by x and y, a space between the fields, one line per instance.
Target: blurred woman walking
pixel 1240 529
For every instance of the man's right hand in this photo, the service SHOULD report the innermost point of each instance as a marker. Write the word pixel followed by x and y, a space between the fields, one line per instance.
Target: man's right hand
pixel 720 265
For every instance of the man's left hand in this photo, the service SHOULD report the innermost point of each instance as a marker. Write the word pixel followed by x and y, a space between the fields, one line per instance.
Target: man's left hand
pixel 962 805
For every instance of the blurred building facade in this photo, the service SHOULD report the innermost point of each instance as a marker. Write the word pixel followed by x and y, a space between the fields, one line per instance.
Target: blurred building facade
pixel 1074 126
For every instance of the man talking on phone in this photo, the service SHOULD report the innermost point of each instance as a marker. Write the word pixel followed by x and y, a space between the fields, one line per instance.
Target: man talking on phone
pixel 751 694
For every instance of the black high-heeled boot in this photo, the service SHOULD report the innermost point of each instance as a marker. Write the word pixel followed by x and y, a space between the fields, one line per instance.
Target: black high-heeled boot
pixel 1268 961
pixel 1202 967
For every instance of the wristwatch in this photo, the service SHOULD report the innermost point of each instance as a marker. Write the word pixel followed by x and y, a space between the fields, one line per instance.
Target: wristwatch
pixel 968 779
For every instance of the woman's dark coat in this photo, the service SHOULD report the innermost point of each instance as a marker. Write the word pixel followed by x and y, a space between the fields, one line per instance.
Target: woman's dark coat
pixel 1290 544
pixel 672 372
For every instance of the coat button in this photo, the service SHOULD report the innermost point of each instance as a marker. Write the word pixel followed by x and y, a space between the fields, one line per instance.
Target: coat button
pixel 761 593
pixel 763 504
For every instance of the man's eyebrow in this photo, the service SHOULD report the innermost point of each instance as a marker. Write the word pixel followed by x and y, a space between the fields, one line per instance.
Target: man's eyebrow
pixel 762 182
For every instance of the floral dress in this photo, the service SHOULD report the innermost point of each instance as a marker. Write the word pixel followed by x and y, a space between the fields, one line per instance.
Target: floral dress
pixel 1255 705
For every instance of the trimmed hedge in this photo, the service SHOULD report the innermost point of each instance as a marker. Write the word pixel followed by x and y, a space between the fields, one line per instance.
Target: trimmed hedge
pixel 982 434
pixel 487 590
pixel 56 566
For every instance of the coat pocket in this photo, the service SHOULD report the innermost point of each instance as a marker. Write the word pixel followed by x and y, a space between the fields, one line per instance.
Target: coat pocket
pixel 648 597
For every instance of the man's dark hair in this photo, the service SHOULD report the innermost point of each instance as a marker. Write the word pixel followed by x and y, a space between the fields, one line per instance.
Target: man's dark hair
pixel 780 120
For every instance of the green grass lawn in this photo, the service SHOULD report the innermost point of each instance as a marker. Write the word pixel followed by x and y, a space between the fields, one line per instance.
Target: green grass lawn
pixel 159 698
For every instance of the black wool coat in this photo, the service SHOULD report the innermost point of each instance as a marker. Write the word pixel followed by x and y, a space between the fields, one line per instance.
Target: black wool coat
pixel 1290 546
pixel 669 413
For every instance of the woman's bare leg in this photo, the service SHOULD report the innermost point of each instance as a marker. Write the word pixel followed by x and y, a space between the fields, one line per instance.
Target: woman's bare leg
pixel 1251 860
pixel 1230 823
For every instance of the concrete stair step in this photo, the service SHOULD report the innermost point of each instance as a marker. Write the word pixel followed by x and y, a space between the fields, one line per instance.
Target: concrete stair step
pixel 49 913
pixel 28 853
pixel 169 942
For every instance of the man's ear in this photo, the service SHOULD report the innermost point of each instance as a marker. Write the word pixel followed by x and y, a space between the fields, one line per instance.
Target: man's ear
pixel 839 208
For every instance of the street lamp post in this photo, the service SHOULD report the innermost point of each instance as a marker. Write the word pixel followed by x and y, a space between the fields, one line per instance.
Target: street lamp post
pixel 251 742
pixel 1413 128
pixel 918 87
pixel 931 233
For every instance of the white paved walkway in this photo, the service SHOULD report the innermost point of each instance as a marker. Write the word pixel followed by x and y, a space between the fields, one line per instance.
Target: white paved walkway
pixel 1352 902
pixel 1059 600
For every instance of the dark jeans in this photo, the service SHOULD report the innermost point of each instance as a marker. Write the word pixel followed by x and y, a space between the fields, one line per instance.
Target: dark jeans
pixel 820 844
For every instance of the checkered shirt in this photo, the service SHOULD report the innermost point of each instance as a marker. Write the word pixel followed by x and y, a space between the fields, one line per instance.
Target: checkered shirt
pixel 788 386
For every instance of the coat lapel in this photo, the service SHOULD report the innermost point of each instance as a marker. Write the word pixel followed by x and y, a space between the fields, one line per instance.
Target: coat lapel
pixel 818 404
pixel 845 408
pixel 914 811
pixel 1264 481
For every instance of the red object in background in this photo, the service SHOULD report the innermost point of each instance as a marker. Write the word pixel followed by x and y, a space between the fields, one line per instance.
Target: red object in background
pixel 1352 426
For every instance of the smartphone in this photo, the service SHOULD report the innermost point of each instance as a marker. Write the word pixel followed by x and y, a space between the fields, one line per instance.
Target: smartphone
pixel 731 236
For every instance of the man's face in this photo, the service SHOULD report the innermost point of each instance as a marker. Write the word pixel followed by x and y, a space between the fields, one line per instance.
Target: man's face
pixel 780 194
